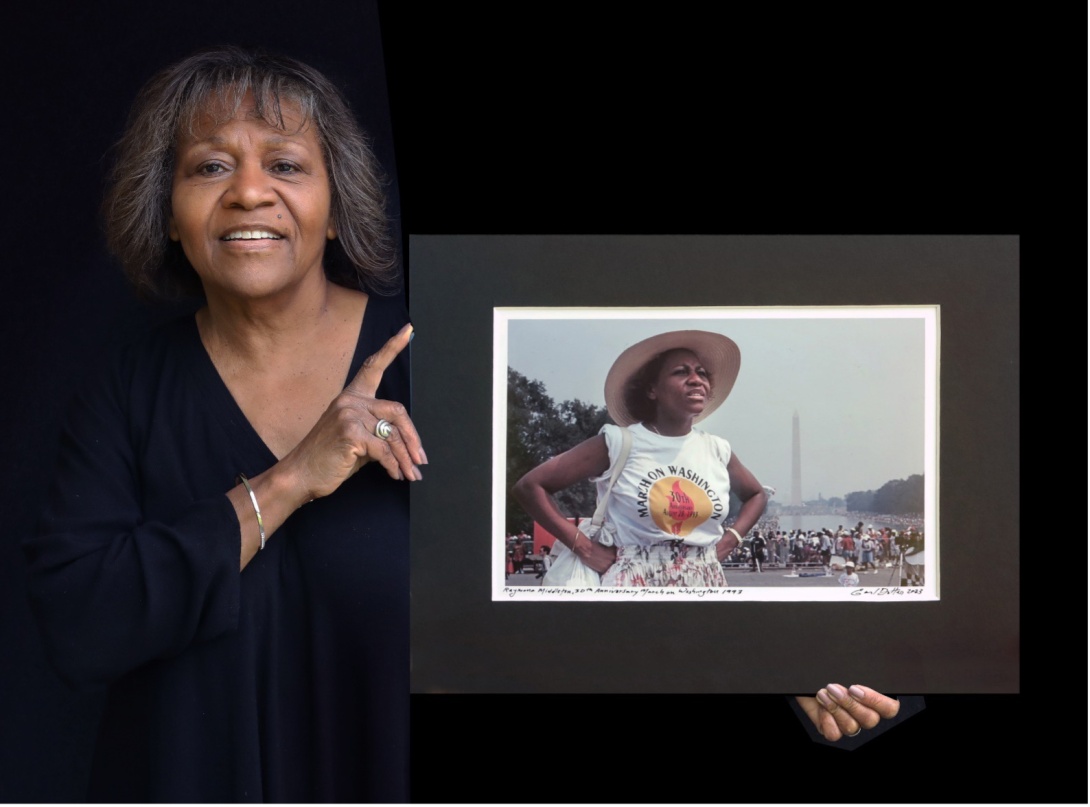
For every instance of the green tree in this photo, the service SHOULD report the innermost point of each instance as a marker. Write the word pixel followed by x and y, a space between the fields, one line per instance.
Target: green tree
pixel 900 496
pixel 860 501
pixel 896 497
pixel 537 429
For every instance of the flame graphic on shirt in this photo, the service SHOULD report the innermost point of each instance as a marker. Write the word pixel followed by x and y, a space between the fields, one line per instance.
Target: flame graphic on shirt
pixel 677 506
pixel 680 508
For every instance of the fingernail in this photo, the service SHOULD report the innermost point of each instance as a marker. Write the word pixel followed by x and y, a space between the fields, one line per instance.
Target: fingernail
pixel 417 474
pixel 836 691
pixel 407 328
pixel 856 692
pixel 823 698
pixel 423 457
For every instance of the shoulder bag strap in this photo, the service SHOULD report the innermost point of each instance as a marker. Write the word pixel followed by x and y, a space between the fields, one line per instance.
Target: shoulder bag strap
pixel 622 458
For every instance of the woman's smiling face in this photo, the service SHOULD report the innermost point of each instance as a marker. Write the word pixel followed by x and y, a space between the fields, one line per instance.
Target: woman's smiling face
pixel 683 386
pixel 251 203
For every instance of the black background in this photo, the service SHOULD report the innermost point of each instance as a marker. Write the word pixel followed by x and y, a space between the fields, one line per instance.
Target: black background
pixel 548 120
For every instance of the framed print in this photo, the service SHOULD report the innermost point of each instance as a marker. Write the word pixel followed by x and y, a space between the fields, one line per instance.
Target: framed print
pixel 834 406
pixel 959 633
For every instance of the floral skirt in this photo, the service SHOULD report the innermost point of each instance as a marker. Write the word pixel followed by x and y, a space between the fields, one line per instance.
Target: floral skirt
pixel 672 563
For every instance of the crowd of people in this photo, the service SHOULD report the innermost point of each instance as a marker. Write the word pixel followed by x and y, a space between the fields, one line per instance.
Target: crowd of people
pixel 865 548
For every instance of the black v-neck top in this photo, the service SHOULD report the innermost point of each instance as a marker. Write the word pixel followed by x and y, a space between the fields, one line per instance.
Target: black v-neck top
pixel 285 683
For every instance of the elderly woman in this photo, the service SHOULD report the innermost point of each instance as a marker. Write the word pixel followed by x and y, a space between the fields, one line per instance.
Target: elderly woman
pixel 667 508
pixel 225 548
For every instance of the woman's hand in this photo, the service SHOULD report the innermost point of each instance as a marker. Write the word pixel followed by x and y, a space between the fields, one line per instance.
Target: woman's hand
pixel 593 554
pixel 341 442
pixel 727 544
pixel 344 440
pixel 838 712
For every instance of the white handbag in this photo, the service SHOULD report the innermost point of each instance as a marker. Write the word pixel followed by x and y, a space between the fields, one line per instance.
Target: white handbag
pixel 567 570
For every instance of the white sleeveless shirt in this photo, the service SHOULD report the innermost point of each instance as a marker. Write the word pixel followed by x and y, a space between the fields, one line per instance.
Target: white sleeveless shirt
pixel 671 488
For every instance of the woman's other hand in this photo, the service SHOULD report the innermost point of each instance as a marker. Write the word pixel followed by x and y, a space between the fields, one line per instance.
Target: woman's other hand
pixel 344 440
pixel 727 544
pixel 838 712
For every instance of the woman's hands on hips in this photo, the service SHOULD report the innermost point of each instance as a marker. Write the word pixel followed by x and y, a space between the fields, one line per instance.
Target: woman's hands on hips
pixel 838 712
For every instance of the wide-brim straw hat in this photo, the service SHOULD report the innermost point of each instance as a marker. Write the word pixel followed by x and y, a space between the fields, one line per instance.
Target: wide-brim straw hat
pixel 719 355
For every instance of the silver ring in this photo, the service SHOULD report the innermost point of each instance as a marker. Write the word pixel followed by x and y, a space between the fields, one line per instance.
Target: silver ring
pixel 383 429
pixel 856 732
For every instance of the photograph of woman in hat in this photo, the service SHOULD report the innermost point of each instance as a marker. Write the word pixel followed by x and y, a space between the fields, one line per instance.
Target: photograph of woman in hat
pixel 668 507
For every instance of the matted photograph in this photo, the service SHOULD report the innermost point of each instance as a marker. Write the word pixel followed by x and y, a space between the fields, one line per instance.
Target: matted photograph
pixel 716 454
pixel 898 354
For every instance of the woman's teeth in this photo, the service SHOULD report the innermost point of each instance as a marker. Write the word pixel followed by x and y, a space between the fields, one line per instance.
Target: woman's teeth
pixel 249 235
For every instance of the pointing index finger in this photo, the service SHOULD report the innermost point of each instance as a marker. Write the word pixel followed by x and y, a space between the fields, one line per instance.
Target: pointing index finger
pixel 370 374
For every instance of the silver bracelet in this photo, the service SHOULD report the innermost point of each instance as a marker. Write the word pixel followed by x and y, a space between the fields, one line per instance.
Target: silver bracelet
pixel 260 524
pixel 575 538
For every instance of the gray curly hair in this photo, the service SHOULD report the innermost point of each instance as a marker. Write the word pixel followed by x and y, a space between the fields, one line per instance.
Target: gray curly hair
pixel 137 203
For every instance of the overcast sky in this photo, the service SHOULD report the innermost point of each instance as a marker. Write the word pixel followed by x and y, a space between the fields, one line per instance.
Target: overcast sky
pixel 858 378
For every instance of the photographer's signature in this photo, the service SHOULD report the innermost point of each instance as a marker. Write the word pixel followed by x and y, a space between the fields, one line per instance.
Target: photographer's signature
pixel 886 591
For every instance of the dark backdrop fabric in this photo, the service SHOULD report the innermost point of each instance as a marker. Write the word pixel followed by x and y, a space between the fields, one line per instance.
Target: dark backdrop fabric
pixel 71 72
pixel 548 121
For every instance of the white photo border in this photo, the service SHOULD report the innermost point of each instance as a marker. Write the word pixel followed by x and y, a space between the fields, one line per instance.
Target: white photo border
pixel 928 592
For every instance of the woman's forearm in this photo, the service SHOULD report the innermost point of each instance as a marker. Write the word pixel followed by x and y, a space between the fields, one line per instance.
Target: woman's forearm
pixel 752 510
pixel 750 514
pixel 539 505
pixel 278 494
pixel 534 490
